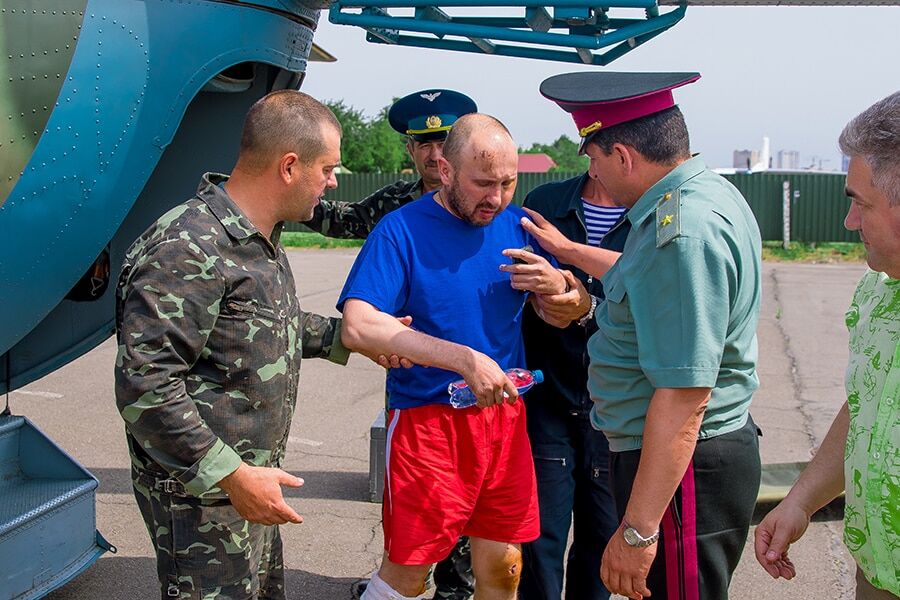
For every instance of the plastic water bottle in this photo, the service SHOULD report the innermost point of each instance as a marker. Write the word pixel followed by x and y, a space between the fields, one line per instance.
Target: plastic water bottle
pixel 462 397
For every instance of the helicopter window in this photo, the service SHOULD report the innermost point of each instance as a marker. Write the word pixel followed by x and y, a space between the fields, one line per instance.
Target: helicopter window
pixel 237 78
pixel 94 282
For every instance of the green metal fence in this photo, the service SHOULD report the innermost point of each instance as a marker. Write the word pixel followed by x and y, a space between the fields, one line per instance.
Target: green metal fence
pixel 817 200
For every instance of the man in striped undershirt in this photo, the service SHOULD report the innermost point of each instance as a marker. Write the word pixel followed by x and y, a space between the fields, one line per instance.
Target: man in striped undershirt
pixel 600 211
pixel 571 457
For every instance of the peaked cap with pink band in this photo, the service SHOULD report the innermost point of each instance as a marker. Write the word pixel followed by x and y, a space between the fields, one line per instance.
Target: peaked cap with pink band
pixel 598 99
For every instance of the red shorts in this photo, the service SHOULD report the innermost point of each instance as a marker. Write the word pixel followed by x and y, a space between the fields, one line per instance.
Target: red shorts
pixel 453 472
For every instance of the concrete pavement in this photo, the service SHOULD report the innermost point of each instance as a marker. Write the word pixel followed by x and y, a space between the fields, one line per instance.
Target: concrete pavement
pixel 802 361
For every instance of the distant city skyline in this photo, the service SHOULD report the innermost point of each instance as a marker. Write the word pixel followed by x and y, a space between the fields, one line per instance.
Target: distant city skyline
pixel 793 74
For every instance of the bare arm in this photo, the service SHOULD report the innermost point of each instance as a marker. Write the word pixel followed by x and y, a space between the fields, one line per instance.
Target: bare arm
pixel 820 483
pixel 670 437
pixel 593 261
pixel 823 479
pixel 370 331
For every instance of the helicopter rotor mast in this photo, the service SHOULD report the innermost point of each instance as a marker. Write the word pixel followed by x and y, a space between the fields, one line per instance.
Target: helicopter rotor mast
pixel 576 31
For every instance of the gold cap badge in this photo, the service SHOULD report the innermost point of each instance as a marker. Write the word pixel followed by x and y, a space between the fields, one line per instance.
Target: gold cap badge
pixel 588 130
pixel 433 122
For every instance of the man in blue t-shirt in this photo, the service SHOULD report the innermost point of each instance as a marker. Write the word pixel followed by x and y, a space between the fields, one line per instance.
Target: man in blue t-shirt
pixel 452 472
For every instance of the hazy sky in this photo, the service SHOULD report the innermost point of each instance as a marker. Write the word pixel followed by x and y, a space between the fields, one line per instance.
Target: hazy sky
pixel 795 74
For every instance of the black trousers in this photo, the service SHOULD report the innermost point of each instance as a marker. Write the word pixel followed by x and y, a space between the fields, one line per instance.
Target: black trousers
pixel 571 461
pixel 704 529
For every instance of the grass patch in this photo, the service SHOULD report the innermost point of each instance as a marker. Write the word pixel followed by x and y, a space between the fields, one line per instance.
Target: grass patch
pixel 823 252
pixel 308 239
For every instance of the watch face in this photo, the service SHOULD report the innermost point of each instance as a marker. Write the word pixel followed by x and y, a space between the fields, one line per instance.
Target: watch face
pixel 631 536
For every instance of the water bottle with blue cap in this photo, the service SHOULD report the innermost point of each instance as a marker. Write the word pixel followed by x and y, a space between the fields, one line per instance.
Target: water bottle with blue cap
pixel 461 396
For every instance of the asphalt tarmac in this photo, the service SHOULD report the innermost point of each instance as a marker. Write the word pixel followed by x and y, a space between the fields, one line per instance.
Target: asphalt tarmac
pixel 803 355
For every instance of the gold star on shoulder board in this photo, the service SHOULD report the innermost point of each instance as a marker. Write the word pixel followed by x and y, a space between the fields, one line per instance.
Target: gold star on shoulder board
pixel 668 218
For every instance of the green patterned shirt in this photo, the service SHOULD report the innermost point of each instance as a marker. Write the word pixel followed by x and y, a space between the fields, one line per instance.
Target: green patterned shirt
pixel 872 456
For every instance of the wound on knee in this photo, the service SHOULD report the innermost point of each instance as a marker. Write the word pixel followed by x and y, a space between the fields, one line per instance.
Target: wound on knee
pixel 506 573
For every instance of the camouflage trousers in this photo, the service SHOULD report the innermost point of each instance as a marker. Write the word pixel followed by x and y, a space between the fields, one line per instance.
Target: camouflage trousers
pixel 206 551
pixel 453 576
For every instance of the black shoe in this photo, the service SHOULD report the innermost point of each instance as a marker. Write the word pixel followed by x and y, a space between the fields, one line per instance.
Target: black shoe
pixel 358 588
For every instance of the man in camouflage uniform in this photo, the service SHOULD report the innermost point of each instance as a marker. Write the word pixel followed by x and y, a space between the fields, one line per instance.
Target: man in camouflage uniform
pixel 210 339
pixel 425 117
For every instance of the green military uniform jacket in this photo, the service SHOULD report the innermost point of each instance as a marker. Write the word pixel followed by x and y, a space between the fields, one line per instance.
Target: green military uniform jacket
pixel 210 337
pixel 681 307
pixel 356 220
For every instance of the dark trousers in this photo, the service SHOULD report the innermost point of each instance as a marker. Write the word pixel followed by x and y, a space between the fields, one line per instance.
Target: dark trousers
pixel 704 529
pixel 571 461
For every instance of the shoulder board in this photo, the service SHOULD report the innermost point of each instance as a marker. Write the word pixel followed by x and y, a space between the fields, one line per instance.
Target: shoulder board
pixel 668 218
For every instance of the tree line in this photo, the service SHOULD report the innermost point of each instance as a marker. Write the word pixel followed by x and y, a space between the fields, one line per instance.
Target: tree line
pixel 370 145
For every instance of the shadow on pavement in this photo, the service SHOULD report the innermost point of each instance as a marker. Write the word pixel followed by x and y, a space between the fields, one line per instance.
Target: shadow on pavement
pixel 833 511
pixel 113 578
pixel 131 578
pixel 323 485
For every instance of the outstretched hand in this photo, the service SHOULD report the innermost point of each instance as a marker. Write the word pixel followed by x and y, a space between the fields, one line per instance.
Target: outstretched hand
pixel 532 273
pixel 548 236
pixel 255 492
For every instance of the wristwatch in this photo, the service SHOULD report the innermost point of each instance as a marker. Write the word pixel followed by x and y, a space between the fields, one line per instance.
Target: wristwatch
pixel 634 539
pixel 583 321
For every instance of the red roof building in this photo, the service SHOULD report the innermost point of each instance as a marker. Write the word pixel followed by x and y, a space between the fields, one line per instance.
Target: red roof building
pixel 535 163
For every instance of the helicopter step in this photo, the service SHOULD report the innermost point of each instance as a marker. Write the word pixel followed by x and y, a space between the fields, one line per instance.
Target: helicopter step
pixel 48 529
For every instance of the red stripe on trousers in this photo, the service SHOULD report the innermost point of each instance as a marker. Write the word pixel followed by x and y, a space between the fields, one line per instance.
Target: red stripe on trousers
pixel 670 539
pixel 689 535
pixel 682 570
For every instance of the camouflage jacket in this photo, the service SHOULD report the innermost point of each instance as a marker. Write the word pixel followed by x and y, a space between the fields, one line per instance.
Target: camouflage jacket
pixel 210 337
pixel 355 220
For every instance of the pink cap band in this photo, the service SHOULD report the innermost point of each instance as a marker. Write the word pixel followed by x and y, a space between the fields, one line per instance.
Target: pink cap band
pixel 612 113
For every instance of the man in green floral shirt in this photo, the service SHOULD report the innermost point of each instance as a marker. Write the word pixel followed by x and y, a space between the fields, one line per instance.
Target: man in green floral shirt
pixel 865 435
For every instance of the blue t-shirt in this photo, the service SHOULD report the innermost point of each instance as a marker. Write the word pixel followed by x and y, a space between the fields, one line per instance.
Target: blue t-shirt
pixel 422 261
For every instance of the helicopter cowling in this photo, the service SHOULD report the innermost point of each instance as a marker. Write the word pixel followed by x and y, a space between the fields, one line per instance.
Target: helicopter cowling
pixel 141 83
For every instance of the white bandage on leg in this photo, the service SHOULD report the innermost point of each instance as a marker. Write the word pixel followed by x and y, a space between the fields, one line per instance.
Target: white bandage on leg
pixel 379 590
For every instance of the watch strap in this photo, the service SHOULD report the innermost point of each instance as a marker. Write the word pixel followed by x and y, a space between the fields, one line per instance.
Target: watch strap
pixel 583 321
pixel 634 538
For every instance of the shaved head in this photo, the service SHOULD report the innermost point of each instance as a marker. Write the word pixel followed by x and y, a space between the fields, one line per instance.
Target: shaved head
pixel 486 133
pixel 478 169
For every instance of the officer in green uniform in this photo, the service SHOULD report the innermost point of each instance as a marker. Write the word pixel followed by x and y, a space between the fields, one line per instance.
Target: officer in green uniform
pixel 425 117
pixel 673 364
pixel 210 338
